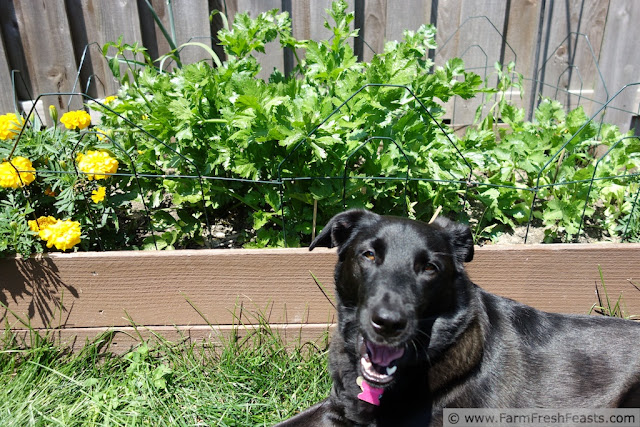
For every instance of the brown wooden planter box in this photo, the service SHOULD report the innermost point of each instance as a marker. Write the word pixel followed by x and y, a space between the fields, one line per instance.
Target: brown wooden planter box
pixel 199 294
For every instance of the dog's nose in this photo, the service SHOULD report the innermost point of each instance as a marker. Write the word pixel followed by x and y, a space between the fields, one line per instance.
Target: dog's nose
pixel 387 322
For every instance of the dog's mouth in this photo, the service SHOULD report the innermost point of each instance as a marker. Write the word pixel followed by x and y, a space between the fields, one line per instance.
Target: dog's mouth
pixel 378 362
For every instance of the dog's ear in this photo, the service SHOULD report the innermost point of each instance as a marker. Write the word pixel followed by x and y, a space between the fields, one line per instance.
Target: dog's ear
pixel 460 237
pixel 342 227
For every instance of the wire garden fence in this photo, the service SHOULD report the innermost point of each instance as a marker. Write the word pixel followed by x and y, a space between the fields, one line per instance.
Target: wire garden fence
pixel 209 162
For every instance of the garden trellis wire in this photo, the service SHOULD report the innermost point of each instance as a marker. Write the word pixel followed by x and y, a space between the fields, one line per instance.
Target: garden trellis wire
pixel 464 184
pixel 410 176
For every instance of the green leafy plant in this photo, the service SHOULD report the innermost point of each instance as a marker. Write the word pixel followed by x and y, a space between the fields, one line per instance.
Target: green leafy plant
pixel 62 190
pixel 555 158
pixel 226 123
pixel 15 235
pixel 201 144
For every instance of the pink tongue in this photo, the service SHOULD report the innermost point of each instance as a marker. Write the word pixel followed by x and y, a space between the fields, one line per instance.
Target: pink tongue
pixel 382 355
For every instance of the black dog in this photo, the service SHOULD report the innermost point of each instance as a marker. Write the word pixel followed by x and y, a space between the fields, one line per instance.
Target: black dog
pixel 412 325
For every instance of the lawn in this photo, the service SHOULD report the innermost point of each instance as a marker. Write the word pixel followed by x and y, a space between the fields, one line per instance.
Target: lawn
pixel 255 380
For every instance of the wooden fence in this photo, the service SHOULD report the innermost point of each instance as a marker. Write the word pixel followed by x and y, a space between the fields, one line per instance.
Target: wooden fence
pixel 577 51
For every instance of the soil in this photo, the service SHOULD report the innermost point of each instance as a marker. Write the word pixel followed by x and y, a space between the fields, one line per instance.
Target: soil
pixel 536 235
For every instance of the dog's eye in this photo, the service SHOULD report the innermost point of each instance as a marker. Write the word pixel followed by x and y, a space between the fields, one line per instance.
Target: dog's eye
pixel 430 268
pixel 369 255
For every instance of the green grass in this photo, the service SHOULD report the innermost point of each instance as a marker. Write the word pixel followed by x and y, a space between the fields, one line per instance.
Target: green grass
pixel 255 380
pixel 607 307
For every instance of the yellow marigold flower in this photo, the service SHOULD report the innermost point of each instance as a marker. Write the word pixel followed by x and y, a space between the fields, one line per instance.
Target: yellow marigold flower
pixel 103 134
pixel 10 178
pixel 98 195
pixel 96 164
pixel 41 224
pixel 110 99
pixel 79 119
pixel 63 234
pixel 10 125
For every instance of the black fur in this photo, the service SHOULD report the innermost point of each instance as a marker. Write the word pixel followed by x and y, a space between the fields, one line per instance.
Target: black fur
pixel 401 284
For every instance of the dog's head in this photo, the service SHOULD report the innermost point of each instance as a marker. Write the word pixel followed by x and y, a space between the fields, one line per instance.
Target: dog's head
pixel 395 278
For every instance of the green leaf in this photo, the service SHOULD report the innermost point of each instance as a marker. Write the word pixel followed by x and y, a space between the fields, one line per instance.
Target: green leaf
pixel 261 218
pixel 160 376
pixel 245 169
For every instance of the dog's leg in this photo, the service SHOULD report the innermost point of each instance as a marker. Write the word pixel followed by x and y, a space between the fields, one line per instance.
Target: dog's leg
pixel 317 415
pixel 632 398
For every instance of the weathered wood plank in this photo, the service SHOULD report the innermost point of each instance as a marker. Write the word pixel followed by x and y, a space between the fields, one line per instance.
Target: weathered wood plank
pixel 15 56
pixel 273 58
pixel 94 23
pixel 162 45
pixel 6 89
pixel 448 21
pixel 406 15
pixel 194 287
pixel 231 9
pixel 475 35
pixel 522 35
pixel 308 18
pixel 122 339
pixel 620 63
pixel 191 22
pixel 480 38
pixel 46 39
pixel 375 25
pixel 566 61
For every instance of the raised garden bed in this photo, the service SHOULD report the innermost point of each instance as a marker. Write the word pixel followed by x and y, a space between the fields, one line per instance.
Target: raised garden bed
pixel 201 294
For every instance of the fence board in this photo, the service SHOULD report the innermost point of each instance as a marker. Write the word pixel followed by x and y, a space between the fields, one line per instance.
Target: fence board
pixel 192 24
pixel 522 35
pixel 14 54
pixel 308 18
pixel 191 20
pixel 161 43
pixel 95 23
pixel 43 51
pixel 447 21
pixel 45 34
pixel 622 67
pixel 477 39
pixel 374 31
pixel 406 15
pixel 273 56
pixel 482 30
pixel 6 102
pixel 161 290
pixel 566 62
pixel 481 41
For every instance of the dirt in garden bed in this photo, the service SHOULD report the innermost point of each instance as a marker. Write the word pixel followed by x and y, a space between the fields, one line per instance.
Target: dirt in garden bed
pixel 537 235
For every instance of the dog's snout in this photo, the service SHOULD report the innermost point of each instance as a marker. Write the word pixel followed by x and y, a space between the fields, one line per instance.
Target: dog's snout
pixel 388 322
